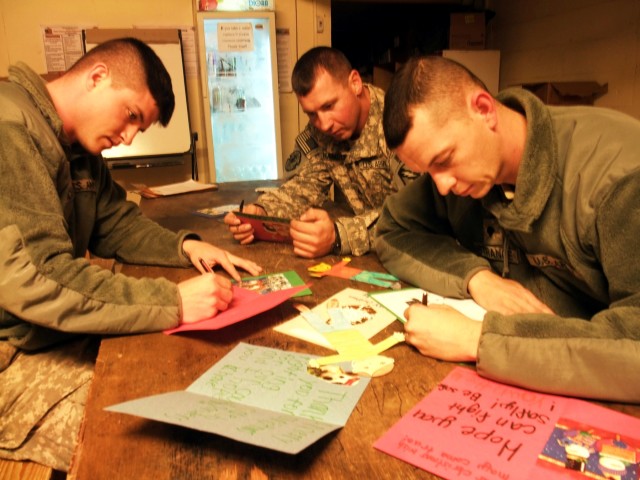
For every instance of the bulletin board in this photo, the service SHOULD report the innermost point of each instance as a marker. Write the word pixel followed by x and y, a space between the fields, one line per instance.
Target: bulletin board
pixel 158 145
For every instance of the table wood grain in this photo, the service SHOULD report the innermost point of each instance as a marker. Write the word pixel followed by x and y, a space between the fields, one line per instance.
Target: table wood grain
pixel 116 446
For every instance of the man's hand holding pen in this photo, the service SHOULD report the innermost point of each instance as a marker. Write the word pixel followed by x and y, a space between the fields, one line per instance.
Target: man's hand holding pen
pixel 204 296
pixel 441 331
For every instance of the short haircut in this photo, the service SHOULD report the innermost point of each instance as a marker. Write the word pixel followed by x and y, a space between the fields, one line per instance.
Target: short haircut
pixel 437 83
pixel 133 64
pixel 309 65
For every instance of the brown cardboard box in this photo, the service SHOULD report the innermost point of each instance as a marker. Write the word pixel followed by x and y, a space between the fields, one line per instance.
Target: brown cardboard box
pixel 467 31
pixel 567 93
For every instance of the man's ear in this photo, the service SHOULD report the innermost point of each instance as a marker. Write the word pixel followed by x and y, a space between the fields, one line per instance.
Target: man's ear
pixel 482 103
pixel 97 75
pixel 355 82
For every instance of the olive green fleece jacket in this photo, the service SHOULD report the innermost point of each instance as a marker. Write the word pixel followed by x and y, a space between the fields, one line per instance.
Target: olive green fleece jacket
pixel 570 235
pixel 57 202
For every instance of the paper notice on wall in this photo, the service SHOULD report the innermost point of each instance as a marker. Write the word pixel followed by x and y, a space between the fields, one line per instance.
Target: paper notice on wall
pixel 63 45
pixel 283 50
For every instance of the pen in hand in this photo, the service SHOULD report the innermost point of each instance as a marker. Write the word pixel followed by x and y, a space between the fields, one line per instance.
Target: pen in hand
pixel 205 265
pixel 241 206
pixel 425 299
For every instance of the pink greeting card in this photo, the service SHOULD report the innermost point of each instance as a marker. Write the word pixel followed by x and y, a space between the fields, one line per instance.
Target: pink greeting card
pixel 471 427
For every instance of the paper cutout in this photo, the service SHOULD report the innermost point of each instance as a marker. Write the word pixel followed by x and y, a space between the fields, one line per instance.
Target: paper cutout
pixel 272 282
pixel 399 300
pixel 256 395
pixel 270 229
pixel 376 366
pixel 341 270
pixel 355 352
pixel 245 304
pixel 374 317
pixel 351 345
pixel 471 427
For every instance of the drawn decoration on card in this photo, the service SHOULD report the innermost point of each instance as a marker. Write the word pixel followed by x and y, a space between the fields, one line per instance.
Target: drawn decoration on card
pixel 592 451
pixel 350 308
pixel 274 282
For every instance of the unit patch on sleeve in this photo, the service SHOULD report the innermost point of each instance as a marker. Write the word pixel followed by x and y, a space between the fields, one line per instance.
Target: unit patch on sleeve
pixel 293 161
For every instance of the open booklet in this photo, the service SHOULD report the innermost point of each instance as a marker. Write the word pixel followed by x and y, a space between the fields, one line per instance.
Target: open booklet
pixel 397 301
pixel 257 395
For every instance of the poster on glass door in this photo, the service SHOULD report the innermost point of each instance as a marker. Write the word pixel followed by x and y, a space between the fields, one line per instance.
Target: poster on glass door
pixel 243 110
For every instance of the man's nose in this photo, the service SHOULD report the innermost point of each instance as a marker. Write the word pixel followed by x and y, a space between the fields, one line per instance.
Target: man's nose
pixel 444 182
pixel 324 122
pixel 129 133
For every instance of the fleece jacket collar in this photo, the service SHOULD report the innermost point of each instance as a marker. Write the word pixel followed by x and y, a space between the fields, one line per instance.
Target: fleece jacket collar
pixel 538 167
pixel 21 74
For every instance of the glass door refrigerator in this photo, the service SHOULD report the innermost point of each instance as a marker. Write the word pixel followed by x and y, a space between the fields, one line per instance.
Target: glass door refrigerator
pixel 239 79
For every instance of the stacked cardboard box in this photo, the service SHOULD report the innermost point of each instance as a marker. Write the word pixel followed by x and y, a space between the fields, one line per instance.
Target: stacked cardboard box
pixel 467 31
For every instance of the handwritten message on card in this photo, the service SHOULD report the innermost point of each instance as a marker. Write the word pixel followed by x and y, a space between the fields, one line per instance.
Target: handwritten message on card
pixel 471 427
pixel 257 395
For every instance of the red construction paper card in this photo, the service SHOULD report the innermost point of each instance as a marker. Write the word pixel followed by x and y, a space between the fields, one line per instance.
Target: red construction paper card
pixel 245 304
pixel 270 229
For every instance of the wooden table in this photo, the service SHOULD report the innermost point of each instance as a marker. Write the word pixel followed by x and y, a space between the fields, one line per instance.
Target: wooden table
pixel 115 446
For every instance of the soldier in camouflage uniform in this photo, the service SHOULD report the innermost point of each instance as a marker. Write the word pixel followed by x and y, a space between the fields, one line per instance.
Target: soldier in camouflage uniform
pixel 342 145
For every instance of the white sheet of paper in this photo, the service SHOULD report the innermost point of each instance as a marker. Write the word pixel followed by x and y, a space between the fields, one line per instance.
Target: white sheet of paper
pixel 397 301
pixel 181 187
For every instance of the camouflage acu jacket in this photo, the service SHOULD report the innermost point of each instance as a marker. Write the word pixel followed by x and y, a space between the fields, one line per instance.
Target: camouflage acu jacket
pixel 365 170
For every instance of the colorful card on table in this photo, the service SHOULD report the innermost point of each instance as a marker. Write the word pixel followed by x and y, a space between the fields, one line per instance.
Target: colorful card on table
pixel 257 395
pixel 245 304
pixel 471 427
pixel 270 229
pixel 397 301
pixel 273 282
pixel 356 308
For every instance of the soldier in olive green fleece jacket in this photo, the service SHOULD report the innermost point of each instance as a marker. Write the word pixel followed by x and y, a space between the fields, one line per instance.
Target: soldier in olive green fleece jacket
pixel 530 210
pixel 58 201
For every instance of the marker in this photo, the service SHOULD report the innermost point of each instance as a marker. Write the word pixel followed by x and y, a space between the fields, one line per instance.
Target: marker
pixel 205 265
pixel 241 206
pixel 425 299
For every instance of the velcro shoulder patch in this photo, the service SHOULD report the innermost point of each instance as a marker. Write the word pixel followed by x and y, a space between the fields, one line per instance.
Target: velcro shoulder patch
pixel 306 142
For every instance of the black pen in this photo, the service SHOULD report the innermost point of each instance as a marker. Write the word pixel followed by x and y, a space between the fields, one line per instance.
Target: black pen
pixel 241 206
pixel 205 265
pixel 425 299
